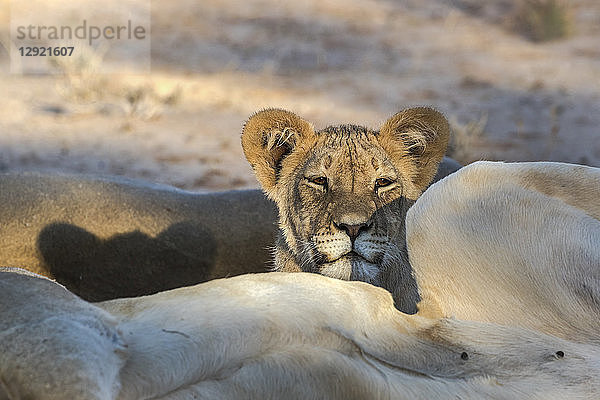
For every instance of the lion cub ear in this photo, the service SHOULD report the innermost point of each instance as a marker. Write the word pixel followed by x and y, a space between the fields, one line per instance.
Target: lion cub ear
pixel 268 137
pixel 417 139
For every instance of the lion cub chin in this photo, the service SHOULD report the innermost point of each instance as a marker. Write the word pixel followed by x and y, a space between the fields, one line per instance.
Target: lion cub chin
pixel 343 192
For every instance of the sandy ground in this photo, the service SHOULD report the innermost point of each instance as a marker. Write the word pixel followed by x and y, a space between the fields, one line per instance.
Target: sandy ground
pixel 214 62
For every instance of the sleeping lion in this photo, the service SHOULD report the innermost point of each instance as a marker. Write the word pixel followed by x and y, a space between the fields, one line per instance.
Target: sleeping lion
pixel 507 260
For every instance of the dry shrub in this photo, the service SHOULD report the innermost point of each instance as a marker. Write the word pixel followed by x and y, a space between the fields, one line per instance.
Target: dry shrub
pixel 83 82
pixel 465 138
pixel 144 101
pixel 542 20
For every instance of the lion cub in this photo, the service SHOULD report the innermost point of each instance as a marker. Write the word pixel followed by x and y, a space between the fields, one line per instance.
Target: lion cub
pixel 343 192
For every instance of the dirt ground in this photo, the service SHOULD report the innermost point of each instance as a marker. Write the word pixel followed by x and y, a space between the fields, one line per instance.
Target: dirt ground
pixel 215 62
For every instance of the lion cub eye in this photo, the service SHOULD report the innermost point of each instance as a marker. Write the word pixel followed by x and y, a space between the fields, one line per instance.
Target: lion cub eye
pixel 318 180
pixel 382 182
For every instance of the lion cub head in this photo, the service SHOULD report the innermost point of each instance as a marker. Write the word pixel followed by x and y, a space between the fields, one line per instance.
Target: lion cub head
pixel 343 192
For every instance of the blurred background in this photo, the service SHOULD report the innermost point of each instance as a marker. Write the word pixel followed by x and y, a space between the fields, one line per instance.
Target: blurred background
pixel 519 80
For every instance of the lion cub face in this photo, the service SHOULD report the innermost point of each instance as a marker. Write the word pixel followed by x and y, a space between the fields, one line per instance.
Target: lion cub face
pixel 343 192
pixel 337 224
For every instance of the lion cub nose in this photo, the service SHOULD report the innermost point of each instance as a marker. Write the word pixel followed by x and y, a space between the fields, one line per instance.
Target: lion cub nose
pixel 353 230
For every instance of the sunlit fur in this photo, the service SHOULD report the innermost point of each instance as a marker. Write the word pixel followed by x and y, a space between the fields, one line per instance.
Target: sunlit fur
pixel 325 181
pixel 271 336
pixel 516 244
pixel 512 247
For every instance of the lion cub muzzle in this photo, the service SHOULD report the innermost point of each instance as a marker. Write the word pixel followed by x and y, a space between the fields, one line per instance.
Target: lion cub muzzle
pixel 349 251
pixel 339 238
pixel 353 230
pixel 334 246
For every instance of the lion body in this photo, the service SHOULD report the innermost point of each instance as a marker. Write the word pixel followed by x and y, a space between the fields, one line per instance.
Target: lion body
pixel 514 244
pixel 502 259
pixel 109 237
pixel 506 257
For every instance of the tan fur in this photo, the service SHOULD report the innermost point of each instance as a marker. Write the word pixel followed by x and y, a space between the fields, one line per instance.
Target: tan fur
pixel 54 345
pixel 514 244
pixel 108 237
pixel 277 335
pixel 348 227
